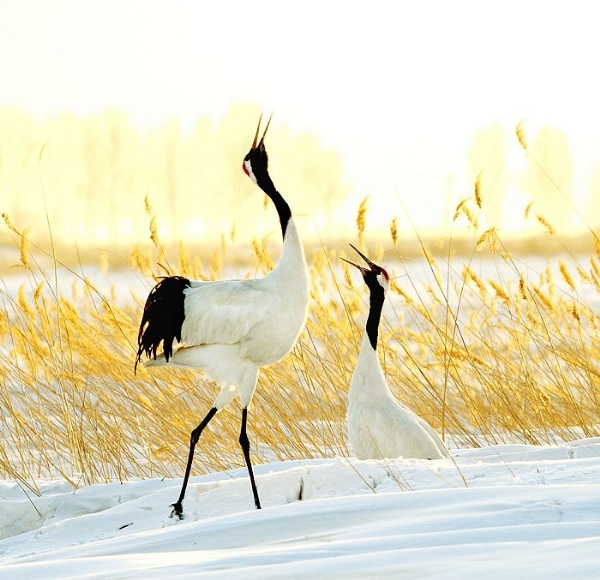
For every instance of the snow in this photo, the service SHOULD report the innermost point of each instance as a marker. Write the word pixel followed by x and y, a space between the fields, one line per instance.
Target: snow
pixel 501 511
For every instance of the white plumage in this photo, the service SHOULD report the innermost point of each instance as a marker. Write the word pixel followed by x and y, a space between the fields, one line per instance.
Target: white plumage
pixel 378 425
pixel 231 328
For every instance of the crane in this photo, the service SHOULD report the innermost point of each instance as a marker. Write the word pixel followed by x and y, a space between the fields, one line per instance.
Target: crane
pixel 230 328
pixel 379 426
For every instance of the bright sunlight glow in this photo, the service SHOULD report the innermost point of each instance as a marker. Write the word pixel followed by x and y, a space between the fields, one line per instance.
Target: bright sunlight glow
pixel 398 89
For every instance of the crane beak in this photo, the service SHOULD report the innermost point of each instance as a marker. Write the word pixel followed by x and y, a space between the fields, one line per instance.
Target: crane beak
pixel 256 143
pixel 373 266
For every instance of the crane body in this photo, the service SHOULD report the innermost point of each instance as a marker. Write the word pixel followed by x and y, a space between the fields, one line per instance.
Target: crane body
pixel 379 426
pixel 231 328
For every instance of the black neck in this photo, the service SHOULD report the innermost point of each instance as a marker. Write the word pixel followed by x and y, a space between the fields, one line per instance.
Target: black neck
pixel 283 209
pixel 375 306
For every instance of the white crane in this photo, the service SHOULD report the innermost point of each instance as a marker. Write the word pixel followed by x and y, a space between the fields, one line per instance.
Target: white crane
pixel 378 425
pixel 231 328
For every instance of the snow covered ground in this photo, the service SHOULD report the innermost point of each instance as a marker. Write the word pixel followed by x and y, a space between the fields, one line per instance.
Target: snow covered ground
pixel 505 511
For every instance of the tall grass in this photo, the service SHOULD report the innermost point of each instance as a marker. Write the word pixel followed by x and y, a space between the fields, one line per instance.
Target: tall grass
pixel 512 357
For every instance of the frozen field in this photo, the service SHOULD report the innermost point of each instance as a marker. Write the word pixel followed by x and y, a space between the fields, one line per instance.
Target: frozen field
pixel 516 511
pixel 510 511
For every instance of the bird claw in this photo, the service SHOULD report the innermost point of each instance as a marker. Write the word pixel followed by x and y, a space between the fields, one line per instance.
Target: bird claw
pixel 177 510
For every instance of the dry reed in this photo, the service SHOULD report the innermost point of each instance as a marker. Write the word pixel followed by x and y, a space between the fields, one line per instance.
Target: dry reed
pixel 485 360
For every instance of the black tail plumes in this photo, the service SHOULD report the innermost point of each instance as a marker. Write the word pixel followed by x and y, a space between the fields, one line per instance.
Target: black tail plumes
pixel 163 317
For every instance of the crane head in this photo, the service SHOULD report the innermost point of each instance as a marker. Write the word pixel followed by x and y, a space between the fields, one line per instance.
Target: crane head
pixel 372 275
pixel 256 162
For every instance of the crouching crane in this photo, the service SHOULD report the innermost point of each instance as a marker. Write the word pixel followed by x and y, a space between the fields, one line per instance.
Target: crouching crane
pixel 378 425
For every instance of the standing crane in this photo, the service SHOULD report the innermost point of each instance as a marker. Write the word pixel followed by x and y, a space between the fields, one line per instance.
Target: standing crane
pixel 230 328
pixel 379 426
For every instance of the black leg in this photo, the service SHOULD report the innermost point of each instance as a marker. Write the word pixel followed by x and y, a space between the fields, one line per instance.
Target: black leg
pixel 195 436
pixel 246 450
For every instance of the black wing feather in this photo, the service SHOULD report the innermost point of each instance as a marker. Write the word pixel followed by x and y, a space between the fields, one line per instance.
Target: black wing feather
pixel 163 317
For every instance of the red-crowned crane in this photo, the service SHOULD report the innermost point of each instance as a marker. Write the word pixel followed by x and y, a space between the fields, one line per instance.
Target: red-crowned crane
pixel 378 425
pixel 231 328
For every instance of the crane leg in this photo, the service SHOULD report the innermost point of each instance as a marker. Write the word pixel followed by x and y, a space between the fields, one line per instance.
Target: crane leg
pixel 245 443
pixel 195 436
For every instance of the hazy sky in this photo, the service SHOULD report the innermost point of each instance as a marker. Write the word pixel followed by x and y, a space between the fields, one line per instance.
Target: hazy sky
pixel 392 85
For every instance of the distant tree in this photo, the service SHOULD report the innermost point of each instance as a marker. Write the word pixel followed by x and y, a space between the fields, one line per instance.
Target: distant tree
pixel 592 206
pixel 171 139
pixel 487 160
pixel 97 170
pixel 548 178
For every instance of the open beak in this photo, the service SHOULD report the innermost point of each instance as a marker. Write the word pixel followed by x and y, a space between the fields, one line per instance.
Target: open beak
pixel 256 143
pixel 373 266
